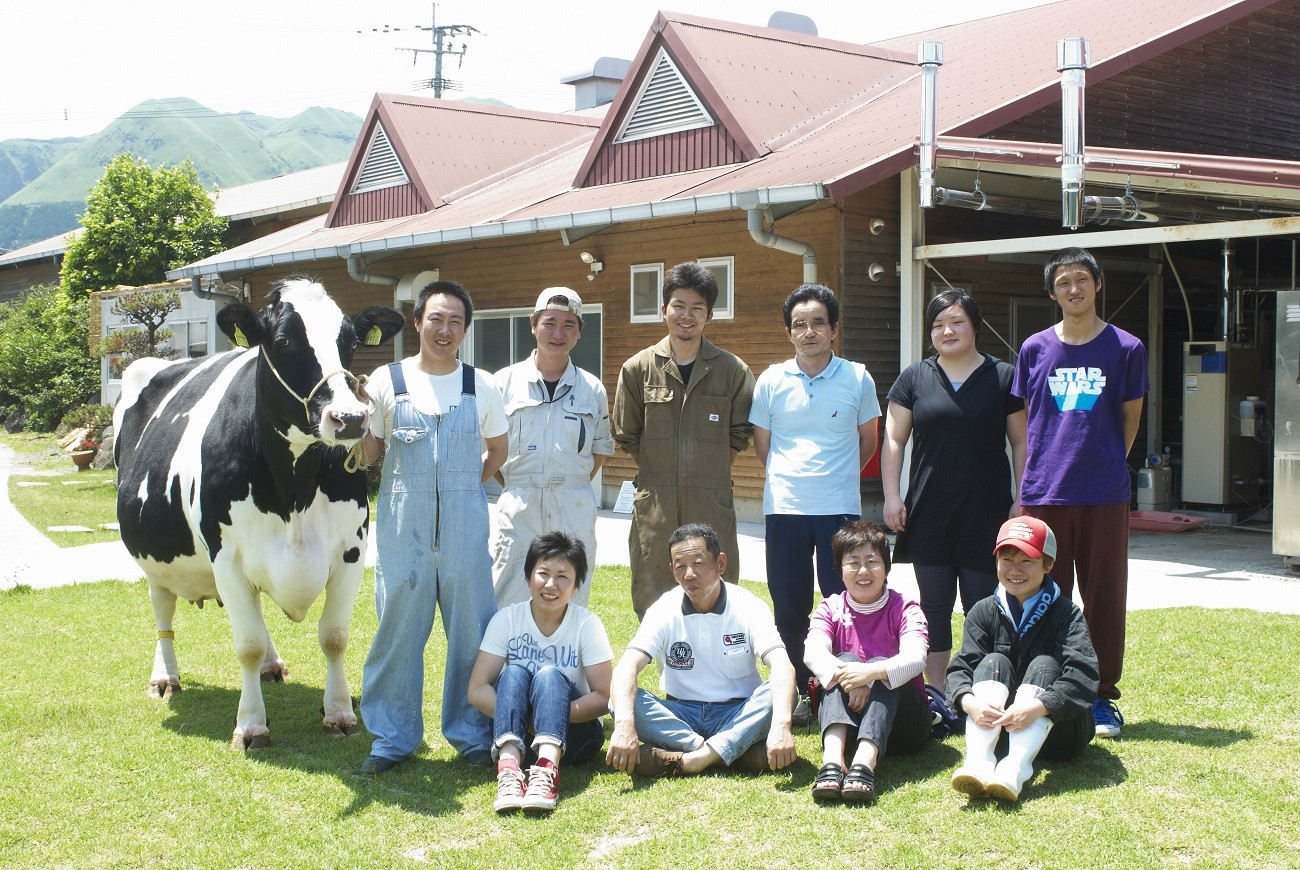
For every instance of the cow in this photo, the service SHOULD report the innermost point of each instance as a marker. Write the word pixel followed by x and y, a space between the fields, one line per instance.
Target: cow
pixel 237 477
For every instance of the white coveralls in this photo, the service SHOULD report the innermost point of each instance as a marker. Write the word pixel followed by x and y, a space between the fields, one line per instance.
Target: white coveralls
pixel 548 471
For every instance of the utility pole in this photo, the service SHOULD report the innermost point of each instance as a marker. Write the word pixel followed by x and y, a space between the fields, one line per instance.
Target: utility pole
pixel 442 46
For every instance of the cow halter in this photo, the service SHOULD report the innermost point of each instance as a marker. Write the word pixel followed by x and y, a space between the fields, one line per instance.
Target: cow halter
pixel 353 460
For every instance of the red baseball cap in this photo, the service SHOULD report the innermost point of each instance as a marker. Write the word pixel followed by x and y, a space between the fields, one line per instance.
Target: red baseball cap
pixel 1029 535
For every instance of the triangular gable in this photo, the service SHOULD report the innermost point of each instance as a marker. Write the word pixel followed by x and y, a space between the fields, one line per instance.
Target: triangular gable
pixel 415 154
pixel 665 104
pixel 707 93
pixel 381 167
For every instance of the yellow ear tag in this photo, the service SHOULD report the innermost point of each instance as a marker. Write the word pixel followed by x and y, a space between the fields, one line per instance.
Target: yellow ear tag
pixel 240 338
pixel 374 336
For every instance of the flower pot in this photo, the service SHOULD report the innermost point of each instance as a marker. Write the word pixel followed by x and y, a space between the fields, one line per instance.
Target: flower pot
pixel 83 458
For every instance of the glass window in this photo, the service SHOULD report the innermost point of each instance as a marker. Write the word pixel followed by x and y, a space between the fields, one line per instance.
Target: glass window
pixel 1030 315
pixel 723 269
pixel 491 347
pixel 197 343
pixel 505 336
pixel 647 283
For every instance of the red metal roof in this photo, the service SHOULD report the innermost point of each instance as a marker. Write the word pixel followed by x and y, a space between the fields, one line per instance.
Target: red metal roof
pixel 765 86
pixel 448 147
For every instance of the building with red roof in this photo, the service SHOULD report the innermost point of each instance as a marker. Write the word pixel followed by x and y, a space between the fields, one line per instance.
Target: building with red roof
pixel 776 157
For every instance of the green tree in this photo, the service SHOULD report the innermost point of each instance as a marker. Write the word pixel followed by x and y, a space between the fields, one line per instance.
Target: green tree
pixel 148 310
pixel 44 362
pixel 140 222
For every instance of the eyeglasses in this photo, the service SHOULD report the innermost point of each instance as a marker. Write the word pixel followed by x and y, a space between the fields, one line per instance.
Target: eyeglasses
pixel 818 324
pixel 853 566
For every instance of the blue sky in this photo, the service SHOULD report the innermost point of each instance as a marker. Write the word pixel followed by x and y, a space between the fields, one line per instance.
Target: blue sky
pixel 68 67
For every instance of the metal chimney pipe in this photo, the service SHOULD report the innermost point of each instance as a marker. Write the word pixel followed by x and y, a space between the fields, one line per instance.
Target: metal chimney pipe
pixel 1108 208
pixel 1072 62
pixel 930 57
pixel 975 200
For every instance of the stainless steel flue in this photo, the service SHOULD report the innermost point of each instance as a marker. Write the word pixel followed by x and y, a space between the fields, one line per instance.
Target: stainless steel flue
pixel 930 57
pixel 1072 61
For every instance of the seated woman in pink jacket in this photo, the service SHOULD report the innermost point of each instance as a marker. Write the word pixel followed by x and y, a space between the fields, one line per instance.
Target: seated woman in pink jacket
pixel 867 648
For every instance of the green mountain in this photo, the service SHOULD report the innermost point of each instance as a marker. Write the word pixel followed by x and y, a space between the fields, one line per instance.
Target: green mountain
pixel 226 150
pixel 23 160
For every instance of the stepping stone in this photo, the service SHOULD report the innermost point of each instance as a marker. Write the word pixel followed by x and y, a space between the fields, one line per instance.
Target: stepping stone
pixel 76 482
pixel 68 529
pixel 33 483
pixel 110 527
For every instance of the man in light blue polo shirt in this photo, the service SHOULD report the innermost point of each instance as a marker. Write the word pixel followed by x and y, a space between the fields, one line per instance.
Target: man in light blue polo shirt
pixel 814 422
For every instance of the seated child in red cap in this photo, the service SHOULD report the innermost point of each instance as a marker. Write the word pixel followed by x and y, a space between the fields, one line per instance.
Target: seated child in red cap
pixel 1047 669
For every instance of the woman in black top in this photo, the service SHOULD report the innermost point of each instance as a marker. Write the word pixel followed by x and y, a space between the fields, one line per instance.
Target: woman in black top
pixel 957 408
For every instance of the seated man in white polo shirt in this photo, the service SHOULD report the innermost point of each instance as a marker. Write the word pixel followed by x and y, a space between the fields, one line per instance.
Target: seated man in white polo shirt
pixel 708 636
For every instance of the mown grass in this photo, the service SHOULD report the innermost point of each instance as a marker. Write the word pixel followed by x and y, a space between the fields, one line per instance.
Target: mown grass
pixel 98 774
pixel 60 495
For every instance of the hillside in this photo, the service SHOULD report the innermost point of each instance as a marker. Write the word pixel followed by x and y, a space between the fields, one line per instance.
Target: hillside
pixel 23 160
pixel 226 150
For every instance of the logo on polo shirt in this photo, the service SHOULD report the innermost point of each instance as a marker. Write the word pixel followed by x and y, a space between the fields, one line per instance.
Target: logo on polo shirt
pixel 1076 388
pixel 737 639
pixel 679 656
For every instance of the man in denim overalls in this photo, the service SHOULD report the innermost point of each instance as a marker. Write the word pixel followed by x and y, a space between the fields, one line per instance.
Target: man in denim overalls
pixel 435 418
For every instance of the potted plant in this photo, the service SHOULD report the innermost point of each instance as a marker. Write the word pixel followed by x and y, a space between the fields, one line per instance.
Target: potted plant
pixel 84 453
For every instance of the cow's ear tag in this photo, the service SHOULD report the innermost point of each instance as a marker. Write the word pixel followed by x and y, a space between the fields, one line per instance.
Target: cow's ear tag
pixel 374 336
pixel 240 338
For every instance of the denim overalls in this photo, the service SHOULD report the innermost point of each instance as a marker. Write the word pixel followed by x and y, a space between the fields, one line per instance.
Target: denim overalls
pixel 432 552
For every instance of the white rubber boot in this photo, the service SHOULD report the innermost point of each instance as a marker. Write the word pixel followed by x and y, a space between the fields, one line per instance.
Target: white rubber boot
pixel 973 776
pixel 1017 768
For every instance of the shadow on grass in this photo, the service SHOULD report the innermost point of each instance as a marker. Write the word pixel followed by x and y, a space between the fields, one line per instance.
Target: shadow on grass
pixel 893 771
pixel 1093 769
pixel 422 784
pixel 1195 735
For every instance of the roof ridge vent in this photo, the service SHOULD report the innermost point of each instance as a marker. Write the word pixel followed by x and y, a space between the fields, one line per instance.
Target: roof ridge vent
pixel 381 167
pixel 665 104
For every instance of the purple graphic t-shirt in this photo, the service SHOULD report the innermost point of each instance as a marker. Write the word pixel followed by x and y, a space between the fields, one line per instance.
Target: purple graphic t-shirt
pixel 1075 395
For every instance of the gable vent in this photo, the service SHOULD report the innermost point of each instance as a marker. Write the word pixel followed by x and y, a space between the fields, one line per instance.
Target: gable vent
pixel 666 104
pixel 381 167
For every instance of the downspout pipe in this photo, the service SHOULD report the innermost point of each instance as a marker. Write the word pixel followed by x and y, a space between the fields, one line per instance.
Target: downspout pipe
pixel 781 243
pixel 196 287
pixel 356 271
pixel 1072 61
pixel 930 57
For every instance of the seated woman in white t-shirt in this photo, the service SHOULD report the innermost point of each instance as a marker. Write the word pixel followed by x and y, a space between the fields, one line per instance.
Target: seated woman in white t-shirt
pixel 543 671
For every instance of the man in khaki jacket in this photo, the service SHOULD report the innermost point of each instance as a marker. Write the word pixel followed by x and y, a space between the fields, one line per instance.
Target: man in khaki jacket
pixel 682 410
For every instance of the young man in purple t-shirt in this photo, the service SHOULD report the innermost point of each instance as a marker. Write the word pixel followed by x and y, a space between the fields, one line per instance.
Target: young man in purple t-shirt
pixel 1083 381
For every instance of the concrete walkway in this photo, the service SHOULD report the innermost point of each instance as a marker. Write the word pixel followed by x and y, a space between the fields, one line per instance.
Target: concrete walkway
pixel 1212 568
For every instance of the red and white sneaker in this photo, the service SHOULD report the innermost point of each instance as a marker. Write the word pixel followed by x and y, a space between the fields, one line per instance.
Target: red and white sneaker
pixel 543 787
pixel 510 788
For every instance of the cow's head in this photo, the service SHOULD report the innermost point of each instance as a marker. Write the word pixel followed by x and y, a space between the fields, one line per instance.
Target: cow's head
pixel 306 344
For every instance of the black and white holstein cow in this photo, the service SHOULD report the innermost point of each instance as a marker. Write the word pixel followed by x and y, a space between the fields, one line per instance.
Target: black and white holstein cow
pixel 234 481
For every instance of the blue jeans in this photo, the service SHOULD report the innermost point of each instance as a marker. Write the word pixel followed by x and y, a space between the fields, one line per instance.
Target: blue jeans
pixel 539 704
pixel 728 727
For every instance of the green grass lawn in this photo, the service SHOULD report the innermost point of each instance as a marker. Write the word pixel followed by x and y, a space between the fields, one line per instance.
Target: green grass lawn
pixel 66 498
pixel 97 774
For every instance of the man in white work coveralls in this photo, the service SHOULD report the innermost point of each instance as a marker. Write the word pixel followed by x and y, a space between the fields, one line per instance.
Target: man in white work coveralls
pixel 559 437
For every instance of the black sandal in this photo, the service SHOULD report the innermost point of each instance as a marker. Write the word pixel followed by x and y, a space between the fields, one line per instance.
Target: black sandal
pixel 859 785
pixel 829 782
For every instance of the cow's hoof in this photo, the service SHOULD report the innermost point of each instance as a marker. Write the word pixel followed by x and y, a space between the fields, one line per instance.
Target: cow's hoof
pixel 341 729
pixel 164 689
pixel 276 672
pixel 243 742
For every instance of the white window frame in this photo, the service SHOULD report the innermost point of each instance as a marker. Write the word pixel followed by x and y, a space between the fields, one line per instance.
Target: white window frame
pixel 724 308
pixel 467 346
pixel 657 269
